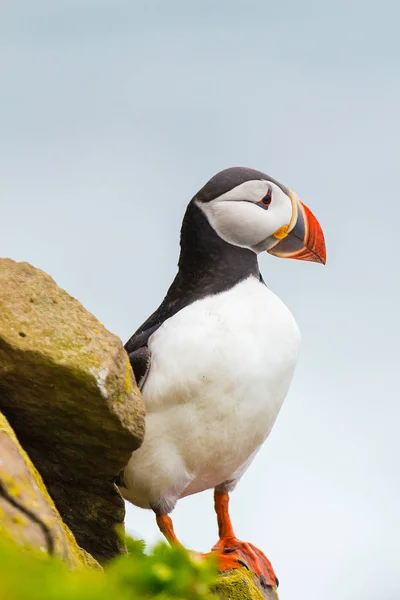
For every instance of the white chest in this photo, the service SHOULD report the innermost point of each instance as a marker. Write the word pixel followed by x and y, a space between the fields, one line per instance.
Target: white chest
pixel 220 371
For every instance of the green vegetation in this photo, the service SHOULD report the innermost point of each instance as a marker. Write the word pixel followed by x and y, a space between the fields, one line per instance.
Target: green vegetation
pixel 164 574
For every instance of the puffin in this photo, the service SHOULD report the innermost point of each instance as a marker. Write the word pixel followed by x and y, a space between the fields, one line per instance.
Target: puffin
pixel 215 361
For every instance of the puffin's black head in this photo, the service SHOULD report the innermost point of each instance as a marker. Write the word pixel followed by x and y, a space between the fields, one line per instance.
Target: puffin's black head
pixel 249 209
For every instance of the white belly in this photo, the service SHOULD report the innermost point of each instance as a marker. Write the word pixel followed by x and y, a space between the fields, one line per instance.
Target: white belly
pixel 220 370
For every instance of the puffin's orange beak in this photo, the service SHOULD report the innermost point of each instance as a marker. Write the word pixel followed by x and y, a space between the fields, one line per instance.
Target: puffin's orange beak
pixel 302 239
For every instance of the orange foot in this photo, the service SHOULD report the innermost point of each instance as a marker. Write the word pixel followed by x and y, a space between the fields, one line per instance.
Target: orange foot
pixel 232 554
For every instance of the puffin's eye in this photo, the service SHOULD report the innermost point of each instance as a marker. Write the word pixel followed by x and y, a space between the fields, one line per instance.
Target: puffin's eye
pixel 266 201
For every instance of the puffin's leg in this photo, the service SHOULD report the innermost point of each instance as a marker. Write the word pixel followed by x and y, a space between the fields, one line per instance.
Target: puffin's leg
pixel 166 527
pixel 221 505
pixel 233 553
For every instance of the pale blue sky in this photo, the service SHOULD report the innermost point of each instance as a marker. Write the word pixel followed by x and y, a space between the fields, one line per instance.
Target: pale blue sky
pixel 114 113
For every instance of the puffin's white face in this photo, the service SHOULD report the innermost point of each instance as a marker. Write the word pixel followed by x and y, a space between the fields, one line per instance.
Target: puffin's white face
pixel 256 215
pixel 259 215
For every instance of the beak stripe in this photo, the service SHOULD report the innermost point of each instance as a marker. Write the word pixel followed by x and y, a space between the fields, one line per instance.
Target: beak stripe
pixel 304 239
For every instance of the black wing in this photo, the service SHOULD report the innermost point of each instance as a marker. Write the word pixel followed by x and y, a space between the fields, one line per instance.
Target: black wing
pixel 139 353
pixel 137 346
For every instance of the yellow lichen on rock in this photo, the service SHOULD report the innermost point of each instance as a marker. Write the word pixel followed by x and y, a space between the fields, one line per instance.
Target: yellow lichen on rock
pixel 241 584
pixel 23 494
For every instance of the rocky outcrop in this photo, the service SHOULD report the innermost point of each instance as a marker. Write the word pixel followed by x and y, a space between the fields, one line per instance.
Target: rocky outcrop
pixel 27 513
pixel 67 390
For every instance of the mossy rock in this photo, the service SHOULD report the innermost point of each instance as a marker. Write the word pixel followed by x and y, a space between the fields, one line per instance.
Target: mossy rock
pixel 241 584
pixel 68 391
pixel 27 513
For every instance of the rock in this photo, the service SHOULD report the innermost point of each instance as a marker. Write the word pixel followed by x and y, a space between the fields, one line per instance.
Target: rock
pixel 68 391
pixel 241 584
pixel 27 513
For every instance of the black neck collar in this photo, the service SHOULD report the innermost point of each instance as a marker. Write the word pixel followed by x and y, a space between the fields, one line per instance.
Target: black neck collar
pixel 208 264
